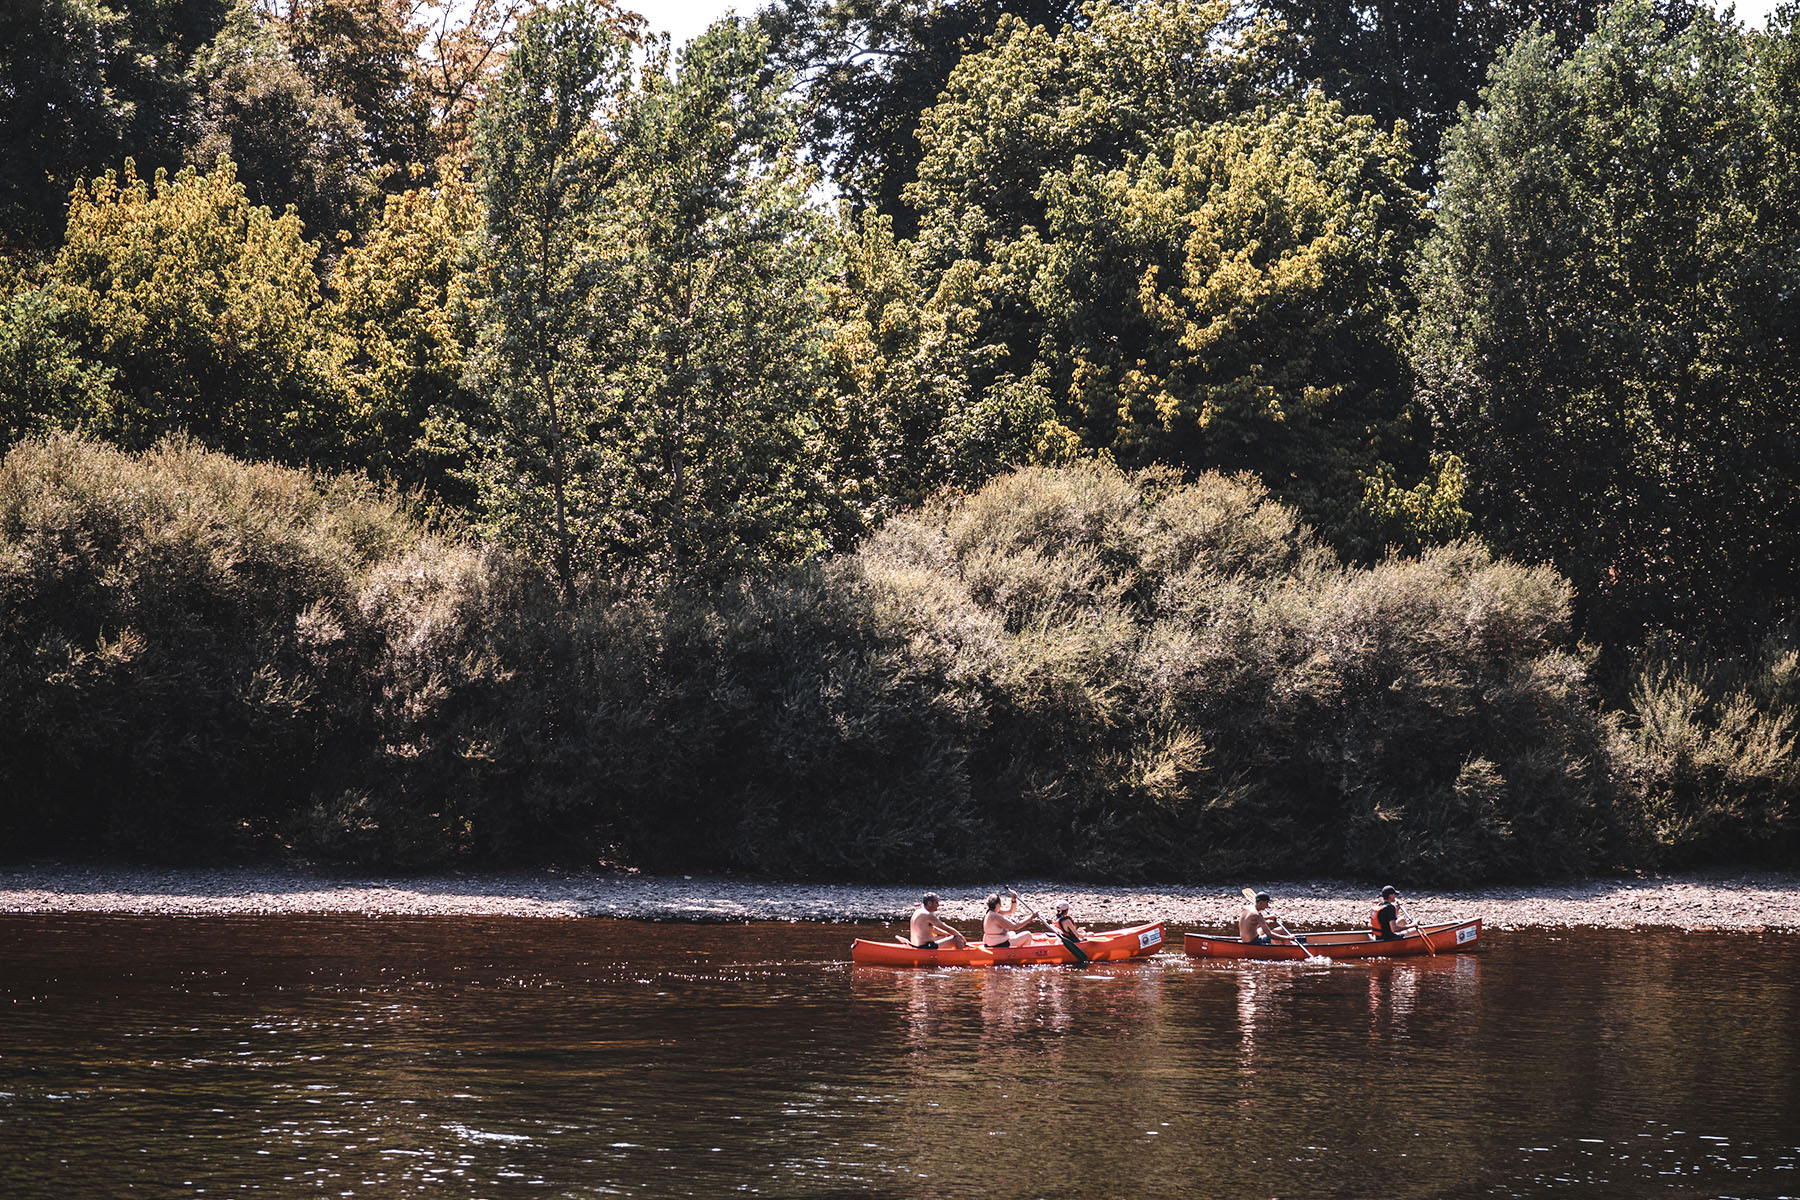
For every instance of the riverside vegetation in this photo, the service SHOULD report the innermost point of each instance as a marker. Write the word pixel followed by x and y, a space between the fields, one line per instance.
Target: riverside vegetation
pixel 462 433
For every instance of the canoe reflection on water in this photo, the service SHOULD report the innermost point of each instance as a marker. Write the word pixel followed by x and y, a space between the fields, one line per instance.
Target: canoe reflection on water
pixel 1397 992
pixel 1007 1007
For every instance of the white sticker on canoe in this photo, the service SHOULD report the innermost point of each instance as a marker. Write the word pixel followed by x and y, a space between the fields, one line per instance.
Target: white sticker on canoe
pixel 1465 934
pixel 1149 938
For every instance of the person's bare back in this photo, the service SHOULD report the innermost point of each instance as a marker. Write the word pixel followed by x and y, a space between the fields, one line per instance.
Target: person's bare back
pixel 1253 926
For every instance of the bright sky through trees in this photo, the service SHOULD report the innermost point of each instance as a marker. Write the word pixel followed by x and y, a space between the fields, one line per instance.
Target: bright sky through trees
pixel 685 18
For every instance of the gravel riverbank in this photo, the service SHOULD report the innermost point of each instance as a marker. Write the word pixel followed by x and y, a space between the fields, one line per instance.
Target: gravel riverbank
pixel 1727 900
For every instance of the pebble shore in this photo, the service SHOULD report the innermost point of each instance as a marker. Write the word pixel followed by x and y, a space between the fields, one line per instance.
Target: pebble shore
pixel 1746 901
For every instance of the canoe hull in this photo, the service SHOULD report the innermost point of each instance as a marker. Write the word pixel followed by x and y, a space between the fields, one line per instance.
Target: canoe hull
pixel 1139 941
pixel 1450 937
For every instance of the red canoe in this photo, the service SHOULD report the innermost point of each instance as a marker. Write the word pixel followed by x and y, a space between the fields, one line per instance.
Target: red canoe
pixel 1140 941
pixel 1447 938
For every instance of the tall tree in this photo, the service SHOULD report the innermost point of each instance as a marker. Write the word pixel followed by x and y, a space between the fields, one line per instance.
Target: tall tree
pixel 1606 322
pixel 292 144
pixel 412 71
pixel 539 145
pixel 401 299
pixel 712 264
pixel 653 305
pixel 365 55
pixel 1419 61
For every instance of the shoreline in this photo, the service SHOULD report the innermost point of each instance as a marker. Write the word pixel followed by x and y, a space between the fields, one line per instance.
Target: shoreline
pixel 1743 901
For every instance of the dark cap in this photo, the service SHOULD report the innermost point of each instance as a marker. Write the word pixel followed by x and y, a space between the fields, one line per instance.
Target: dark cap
pixel 1388 890
pixel 1262 897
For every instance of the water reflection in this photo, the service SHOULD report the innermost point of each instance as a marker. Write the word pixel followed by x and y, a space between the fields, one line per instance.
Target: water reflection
pixel 588 1058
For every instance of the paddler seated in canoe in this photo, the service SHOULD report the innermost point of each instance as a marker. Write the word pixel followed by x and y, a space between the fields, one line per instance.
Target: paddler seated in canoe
pixel 999 929
pixel 1386 922
pixel 929 931
pixel 1254 927
pixel 1065 922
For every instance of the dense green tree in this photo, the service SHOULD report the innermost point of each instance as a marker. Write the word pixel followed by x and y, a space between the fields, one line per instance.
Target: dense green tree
pixel 366 55
pixel 1412 60
pixel 206 308
pixel 906 418
pixel 1606 325
pixel 84 85
pixel 870 68
pixel 1192 268
pixel 45 381
pixel 1121 84
pixel 292 145
pixel 711 263
pixel 1778 84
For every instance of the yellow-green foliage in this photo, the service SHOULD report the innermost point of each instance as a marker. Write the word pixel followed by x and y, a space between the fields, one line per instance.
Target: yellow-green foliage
pixel 1188 264
pixel 203 305
pixel 401 299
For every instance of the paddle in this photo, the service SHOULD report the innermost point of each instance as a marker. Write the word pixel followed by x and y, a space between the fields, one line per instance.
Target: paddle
pixel 1420 929
pixel 1250 897
pixel 1074 947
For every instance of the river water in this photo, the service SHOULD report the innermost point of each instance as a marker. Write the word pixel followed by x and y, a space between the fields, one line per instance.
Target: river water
pixel 453 1057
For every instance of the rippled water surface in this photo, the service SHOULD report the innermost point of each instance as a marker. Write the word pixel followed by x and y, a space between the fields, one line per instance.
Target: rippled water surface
pixel 499 1058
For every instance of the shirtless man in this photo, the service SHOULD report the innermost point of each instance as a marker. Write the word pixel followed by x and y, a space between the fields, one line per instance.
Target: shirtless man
pixel 1386 921
pixel 1254 927
pixel 928 931
pixel 999 930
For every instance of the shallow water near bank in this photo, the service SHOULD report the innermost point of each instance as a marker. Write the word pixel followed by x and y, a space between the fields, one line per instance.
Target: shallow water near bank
pixel 503 1057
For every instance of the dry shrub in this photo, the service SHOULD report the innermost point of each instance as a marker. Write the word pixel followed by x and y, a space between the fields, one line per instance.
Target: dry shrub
pixel 1074 671
pixel 1708 760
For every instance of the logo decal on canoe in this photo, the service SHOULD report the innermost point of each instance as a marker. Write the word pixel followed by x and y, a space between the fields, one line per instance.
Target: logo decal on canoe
pixel 1465 934
pixel 1149 938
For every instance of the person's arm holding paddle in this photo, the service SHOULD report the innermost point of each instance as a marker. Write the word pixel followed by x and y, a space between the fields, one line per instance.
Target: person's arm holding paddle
pixel 929 930
pixel 1061 929
pixel 1253 925
pixel 1257 917
pixel 1411 926
pixel 998 927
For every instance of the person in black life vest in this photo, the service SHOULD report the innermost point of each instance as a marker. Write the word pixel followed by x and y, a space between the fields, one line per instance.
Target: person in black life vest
pixel 1385 921
pixel 1065 922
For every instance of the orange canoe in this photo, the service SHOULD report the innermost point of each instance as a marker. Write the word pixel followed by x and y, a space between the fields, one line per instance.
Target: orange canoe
pixel 1140 941
pixel 1447 938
